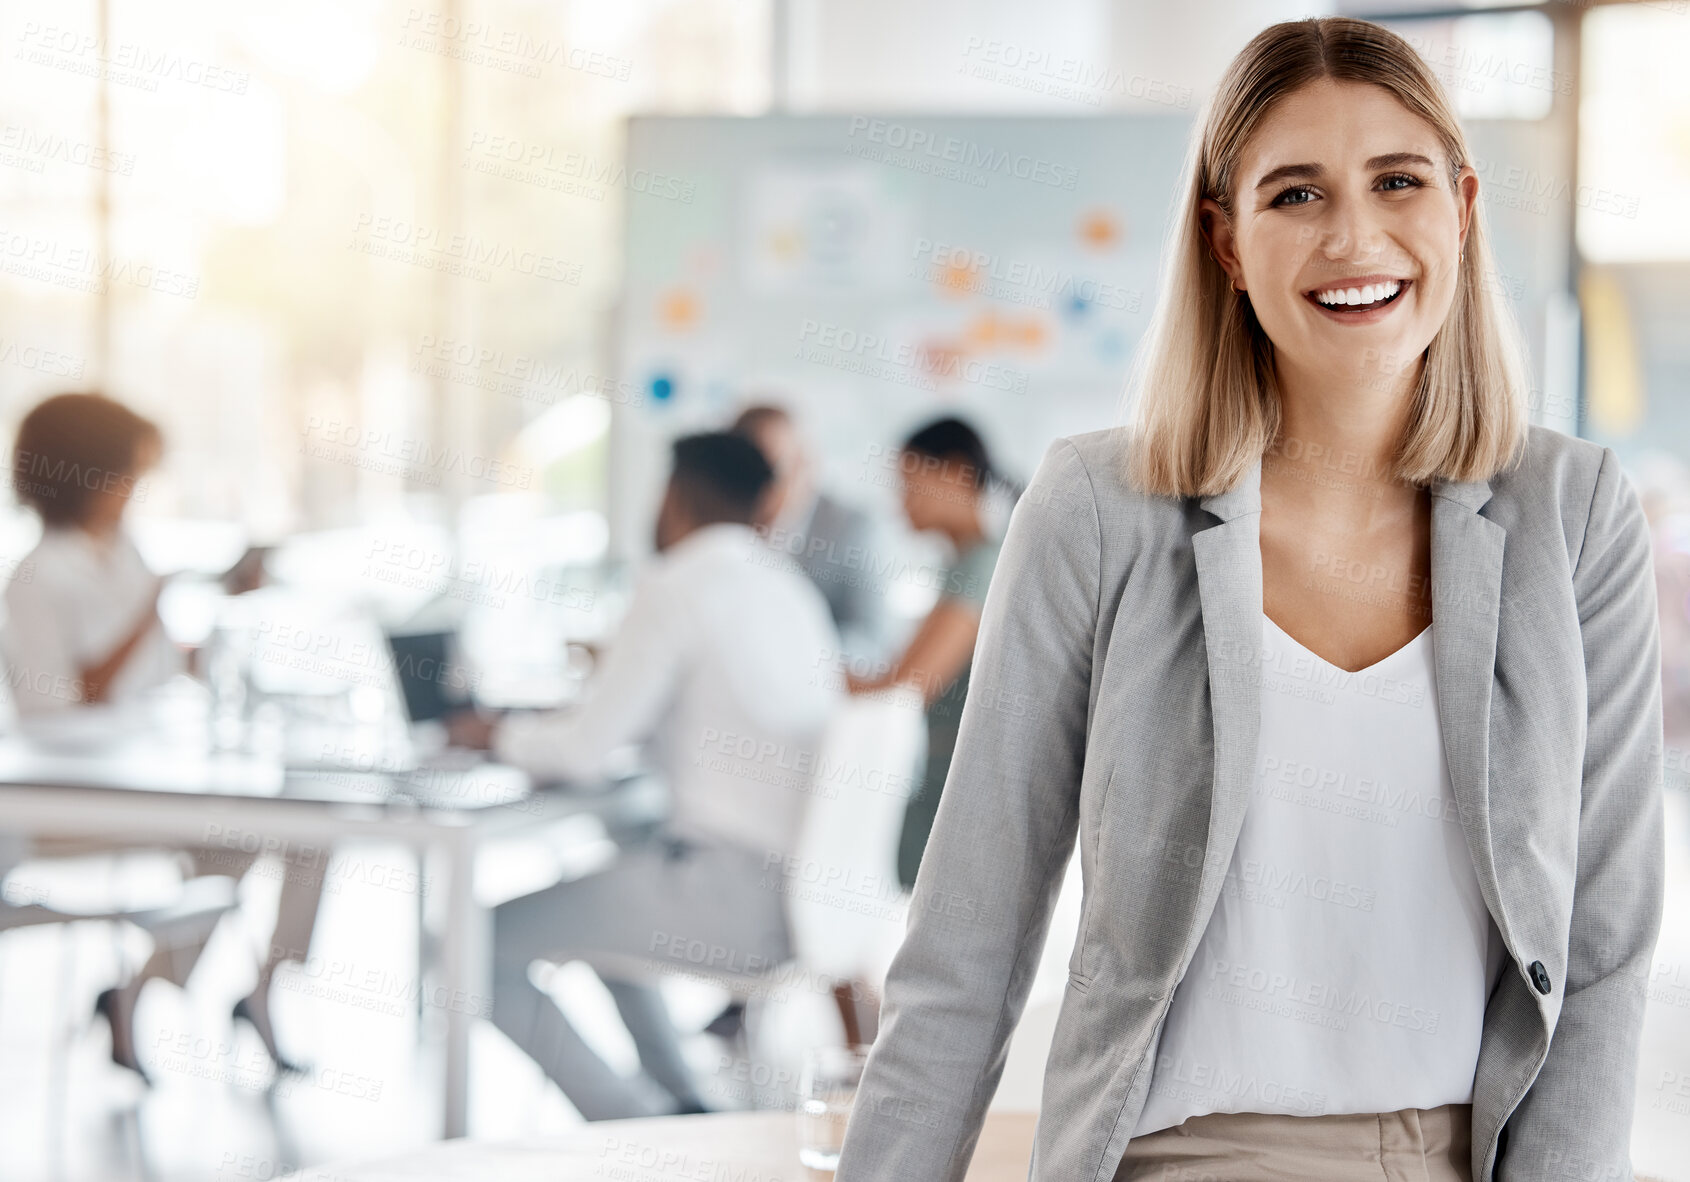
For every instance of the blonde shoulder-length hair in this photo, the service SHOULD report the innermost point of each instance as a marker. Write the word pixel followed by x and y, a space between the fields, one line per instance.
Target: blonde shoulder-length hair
pixel 1204 405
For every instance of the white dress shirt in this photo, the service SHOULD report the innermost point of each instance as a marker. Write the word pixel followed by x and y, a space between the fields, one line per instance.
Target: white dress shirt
pixel 71 602
pixel 1346 965
pixel 725 667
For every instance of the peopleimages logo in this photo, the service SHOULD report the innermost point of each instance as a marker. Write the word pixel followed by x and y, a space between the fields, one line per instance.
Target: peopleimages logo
pixel 1060 76
pixel 964 153
pixel 35 148
pixel 48 361
pixel 80 268
pixel 523 160
pixel 124 62
pixel 998 276
pixel 508 49
pixel 387 452
pixel 900 361
pixel 437 248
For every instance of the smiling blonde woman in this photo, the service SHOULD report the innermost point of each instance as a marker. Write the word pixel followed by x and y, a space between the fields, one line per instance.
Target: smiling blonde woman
pixel 1342 679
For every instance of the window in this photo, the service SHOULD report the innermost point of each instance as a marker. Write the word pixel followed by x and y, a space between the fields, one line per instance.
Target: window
pixel 360 254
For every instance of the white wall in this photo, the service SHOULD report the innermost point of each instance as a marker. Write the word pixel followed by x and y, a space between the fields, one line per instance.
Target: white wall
pixel 916 54
pixel 882 55
pixel 1190 43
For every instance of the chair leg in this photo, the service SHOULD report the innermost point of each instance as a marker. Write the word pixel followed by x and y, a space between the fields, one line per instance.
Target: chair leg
pixel 868 1011
pixel 859 1012
pixel 848 1014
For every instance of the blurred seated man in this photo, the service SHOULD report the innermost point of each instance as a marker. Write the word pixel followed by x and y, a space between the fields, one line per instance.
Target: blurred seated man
pixel 832 542
pixel 723 670
pixel 82 629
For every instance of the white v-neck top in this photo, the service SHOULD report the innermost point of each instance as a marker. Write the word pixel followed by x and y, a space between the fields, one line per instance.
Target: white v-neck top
pixel 1346 964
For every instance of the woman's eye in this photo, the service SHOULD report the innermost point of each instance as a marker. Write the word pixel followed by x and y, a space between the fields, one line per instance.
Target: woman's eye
pixel 1299 195
pixel 1400 181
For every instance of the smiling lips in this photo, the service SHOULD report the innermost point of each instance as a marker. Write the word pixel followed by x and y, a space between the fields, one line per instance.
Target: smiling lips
pixel 1366 293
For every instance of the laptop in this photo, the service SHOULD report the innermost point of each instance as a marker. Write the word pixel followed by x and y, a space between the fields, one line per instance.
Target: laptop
pixel 433 682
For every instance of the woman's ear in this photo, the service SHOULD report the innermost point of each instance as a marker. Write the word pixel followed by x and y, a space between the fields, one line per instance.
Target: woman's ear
pixel 1466 197
pixel 1217 232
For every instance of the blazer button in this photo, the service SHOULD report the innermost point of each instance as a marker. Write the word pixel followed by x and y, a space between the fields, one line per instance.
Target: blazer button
pixel 1540 976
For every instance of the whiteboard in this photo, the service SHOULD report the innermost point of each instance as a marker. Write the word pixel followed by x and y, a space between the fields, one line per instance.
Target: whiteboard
pixel 874 271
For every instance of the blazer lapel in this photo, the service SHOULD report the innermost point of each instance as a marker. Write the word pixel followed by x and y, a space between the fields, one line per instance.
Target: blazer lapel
pixel 1466 602
pixel 1466 596
pixel 1229 585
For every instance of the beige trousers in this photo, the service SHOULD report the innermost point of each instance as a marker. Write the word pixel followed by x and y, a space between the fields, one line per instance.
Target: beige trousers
pixel 1414 1145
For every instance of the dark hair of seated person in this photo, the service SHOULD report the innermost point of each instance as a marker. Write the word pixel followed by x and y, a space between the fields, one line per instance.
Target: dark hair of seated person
pixel 72 448
pixel 953 439
pixel 721 476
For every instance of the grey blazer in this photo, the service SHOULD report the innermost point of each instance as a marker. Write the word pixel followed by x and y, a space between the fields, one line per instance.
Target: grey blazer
pixel 1115 700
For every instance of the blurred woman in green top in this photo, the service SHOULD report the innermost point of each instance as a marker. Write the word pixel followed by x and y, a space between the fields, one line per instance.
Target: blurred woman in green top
pixel 946 476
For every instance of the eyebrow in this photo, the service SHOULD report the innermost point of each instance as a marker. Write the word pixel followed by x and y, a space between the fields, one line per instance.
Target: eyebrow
pixel 1287 172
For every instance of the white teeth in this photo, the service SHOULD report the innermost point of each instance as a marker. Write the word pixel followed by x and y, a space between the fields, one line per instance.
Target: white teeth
pixel 1372 293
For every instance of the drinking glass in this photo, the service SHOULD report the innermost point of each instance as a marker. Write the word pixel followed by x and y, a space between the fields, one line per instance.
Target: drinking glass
pixel 826 1089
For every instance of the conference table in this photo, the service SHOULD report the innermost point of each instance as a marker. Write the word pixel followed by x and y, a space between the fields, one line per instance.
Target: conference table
pixel 753 1146
pixel 156 782
pixel 740 1146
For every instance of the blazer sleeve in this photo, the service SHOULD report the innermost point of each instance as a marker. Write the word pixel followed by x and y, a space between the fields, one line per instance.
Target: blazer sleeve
pixel 1576 1118
pixel 999 846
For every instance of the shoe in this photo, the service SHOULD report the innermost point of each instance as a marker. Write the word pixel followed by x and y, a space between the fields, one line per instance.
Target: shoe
pixel 122 1033
pixel 267 1035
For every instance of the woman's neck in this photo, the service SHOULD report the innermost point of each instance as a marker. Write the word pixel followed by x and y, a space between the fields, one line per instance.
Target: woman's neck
pixel 103 533
pixel 1337 445
pixel 1360 416
pixel 965 532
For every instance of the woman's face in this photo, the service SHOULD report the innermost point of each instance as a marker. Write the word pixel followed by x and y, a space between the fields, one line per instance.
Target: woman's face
pixel 934 491
pixel 1344 195
pixel 104 509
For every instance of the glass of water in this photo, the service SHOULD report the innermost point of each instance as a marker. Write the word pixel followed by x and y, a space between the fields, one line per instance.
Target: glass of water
pixel 826 1090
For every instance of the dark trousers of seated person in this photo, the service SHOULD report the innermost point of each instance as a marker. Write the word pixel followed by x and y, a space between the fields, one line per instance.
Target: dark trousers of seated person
pixel 943 719
pixel 712 911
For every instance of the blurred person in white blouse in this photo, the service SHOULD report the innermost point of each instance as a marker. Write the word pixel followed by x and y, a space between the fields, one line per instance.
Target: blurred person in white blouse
pixel 723 672
pixel 82 620
pixel 82 629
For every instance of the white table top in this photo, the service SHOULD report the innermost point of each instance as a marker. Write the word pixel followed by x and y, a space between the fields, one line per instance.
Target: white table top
pixel 750 1145
pixel 161 762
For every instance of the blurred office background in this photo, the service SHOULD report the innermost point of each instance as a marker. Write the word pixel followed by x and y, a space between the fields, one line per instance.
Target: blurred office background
pixel 419 292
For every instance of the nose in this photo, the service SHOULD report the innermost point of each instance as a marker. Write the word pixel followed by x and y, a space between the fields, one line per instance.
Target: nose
pixel 1351 234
